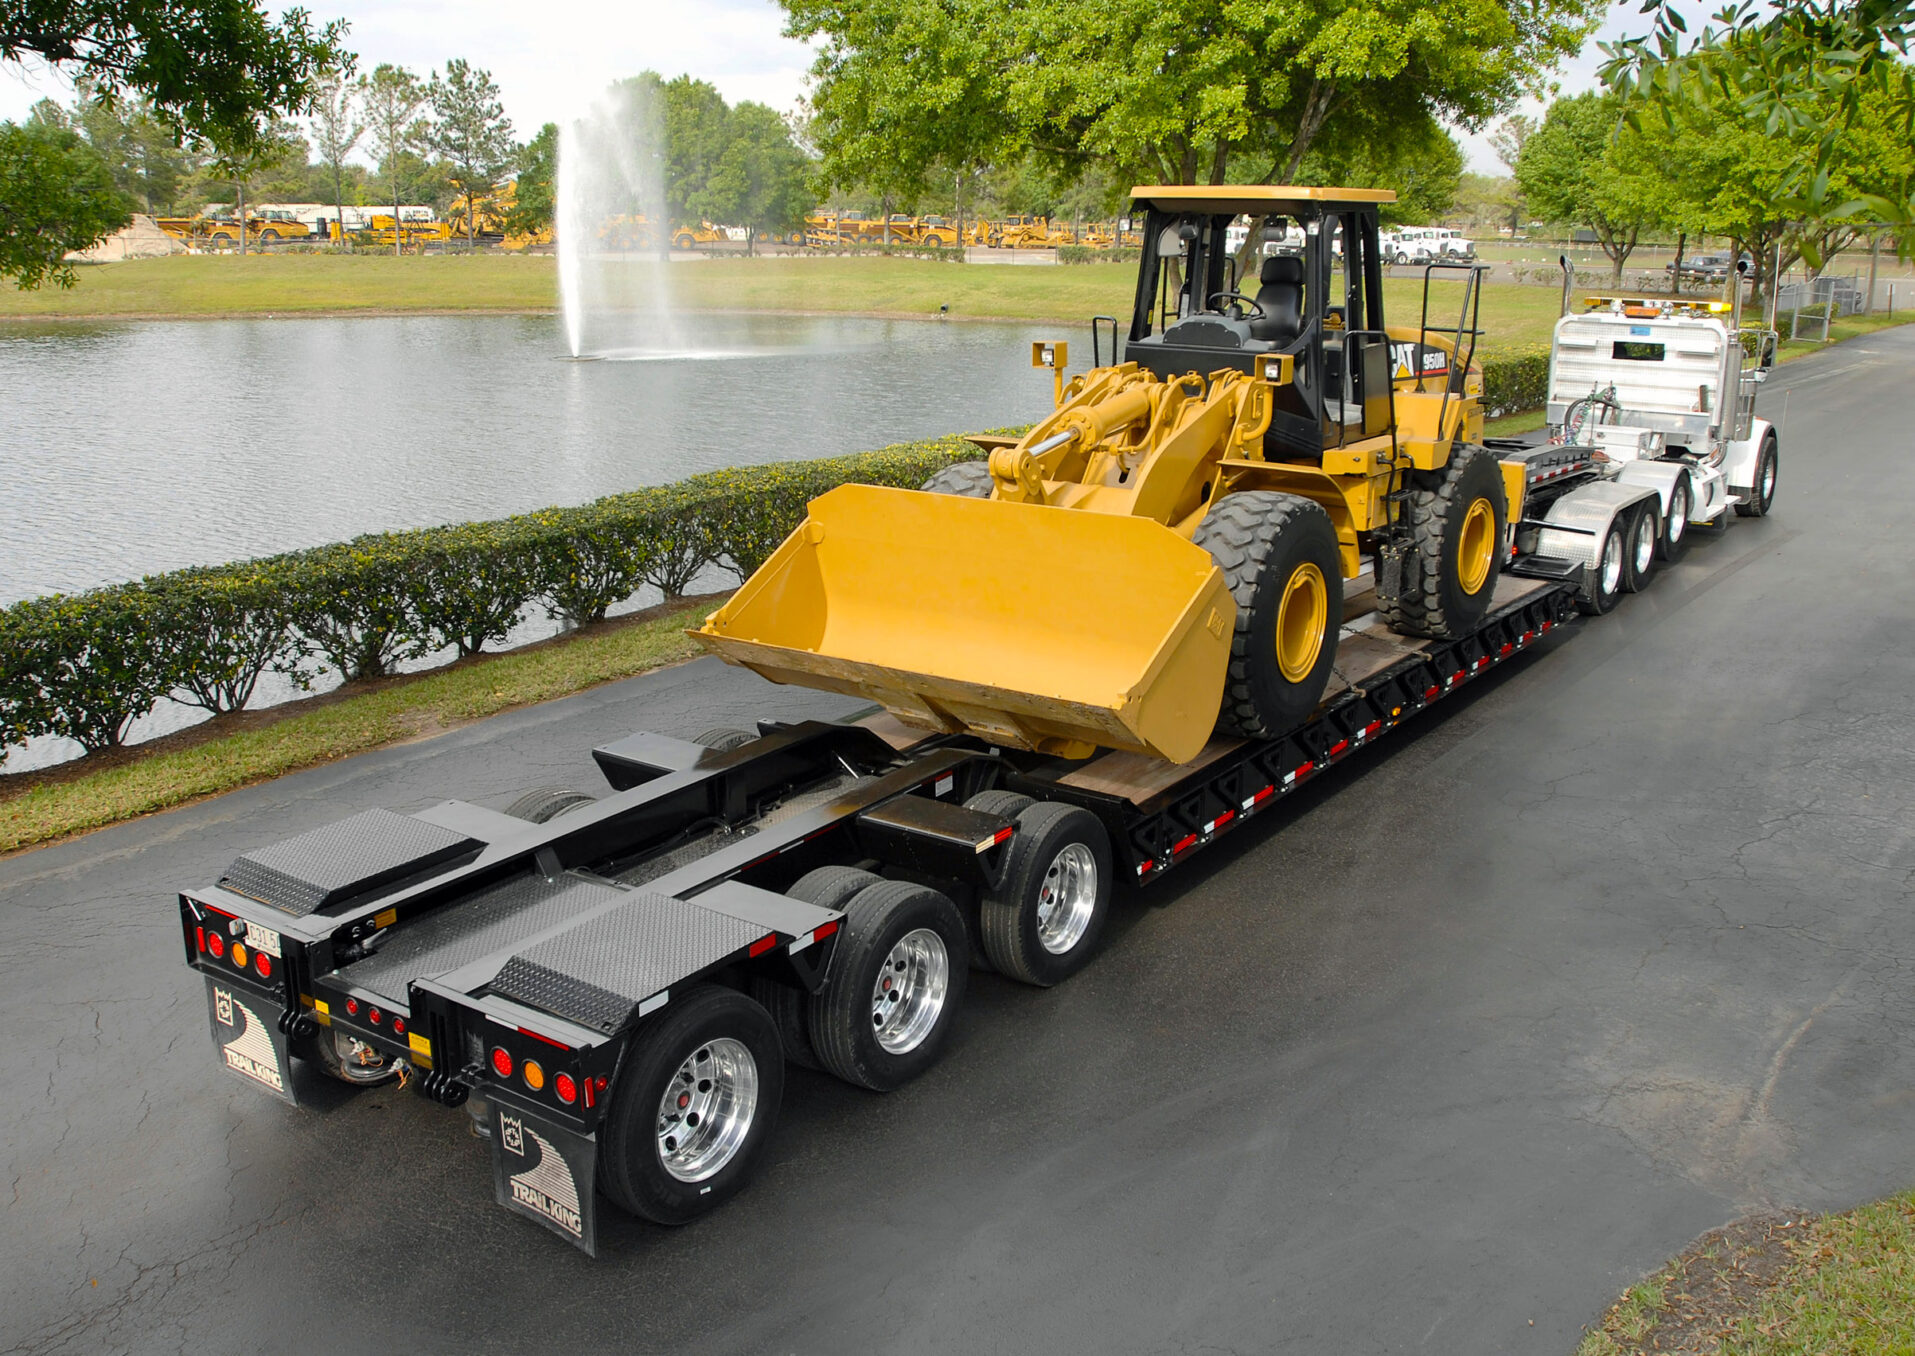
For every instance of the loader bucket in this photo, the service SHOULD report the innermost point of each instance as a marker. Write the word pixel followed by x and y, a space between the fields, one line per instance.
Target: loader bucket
pixel 1032 627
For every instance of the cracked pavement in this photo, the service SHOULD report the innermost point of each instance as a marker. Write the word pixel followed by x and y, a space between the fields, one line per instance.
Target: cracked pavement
pixel 1480 1028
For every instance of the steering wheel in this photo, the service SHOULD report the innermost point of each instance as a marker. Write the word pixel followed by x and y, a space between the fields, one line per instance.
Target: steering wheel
pixel 1242 307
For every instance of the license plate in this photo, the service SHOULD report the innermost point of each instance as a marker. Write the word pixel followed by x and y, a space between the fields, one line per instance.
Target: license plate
pixel 246 1033
pixel 545 1173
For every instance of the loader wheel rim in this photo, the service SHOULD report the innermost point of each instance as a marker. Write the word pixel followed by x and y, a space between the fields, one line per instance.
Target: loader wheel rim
pixel 1301 615
pixel 1067 899
pixel 707 1109
pixel 1476 546
pixel 907 998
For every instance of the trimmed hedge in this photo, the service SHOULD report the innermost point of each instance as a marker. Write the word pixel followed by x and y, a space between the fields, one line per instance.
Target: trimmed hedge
pixel 85 666
pixel 1515 381
pixel 1092 254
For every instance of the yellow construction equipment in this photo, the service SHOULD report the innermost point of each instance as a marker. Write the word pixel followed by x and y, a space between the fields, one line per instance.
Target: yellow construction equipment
pixel 1167 555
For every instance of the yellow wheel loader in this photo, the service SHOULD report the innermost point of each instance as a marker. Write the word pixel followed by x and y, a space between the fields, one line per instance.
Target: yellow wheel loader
pixel 1168 555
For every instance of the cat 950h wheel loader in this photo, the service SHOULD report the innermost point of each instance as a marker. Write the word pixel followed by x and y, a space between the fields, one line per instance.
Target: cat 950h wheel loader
pixel 1167 555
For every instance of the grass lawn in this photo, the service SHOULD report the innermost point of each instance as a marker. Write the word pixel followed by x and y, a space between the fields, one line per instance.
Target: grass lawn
pixel 289 284
pixel 1838 1285
pixel 206 760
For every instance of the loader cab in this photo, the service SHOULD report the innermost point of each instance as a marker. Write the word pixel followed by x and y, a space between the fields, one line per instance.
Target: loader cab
pixel 1195 313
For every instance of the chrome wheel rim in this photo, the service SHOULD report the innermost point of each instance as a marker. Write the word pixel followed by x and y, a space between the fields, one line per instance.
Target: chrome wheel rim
pixel 1645 544
pixel 707 1110
pixel 1768 479
pixel 907 997
pixel 1612 563
pixel 1678 515
pixel 1067 899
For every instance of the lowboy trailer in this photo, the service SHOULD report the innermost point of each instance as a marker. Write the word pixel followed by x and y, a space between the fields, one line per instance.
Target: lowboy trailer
pixel 614 986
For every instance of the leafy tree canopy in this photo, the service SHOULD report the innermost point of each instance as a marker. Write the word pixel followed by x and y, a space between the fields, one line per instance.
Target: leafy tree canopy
pixel 217 70
pixel 58 194
pixel 1182 91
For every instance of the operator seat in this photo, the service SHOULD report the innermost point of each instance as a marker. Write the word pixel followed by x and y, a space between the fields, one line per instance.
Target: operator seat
pixel 1281 299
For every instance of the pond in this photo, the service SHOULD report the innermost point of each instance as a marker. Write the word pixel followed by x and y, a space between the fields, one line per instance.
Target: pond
pixel 134 447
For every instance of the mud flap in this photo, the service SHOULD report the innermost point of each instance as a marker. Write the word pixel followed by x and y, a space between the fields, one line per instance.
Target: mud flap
pixel 246 1033
pixel 546 1174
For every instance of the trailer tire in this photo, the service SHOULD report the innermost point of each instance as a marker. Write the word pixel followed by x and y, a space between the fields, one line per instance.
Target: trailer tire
pixel 725 738
pixel 1279 556
pixel 731 1038
pixel 1057 848
pixel 543 804
pixel 967 479
pixel 829 887
pixel 1675 520
pixel 1456 518
pixel 1603 581
pixel 1010 804
pixel 1644 532
pixel 896 986
pixel 1762 493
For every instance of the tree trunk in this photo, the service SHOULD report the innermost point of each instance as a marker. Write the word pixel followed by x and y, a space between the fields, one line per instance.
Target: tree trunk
pixel 239 193
pixel 398 236
pixel 1682 240
pixel 885 207
pixel 339 195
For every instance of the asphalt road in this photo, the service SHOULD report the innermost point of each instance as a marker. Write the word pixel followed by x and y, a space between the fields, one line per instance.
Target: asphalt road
pixel 1482 1028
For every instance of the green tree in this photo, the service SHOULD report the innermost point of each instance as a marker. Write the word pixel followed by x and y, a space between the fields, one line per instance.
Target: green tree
pixel 217 71
pixel 392 98
pixel 1422 165
pixel 761 181
pixel 59 196
pixel 336 128
pixel 471 133
pixel 1583 167
pixel 696 126
pixel 142 151
pixel 534 199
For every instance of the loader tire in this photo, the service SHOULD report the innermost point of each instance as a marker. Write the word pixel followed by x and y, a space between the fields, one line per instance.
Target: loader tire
pixel 543 804
pixel 1762 493
pixel 1279 556
pixel 1043 922
pixel 897 984
pixel 829 887
pixel 718 1050
pixel 1675 520
pixel 1456 518
pixel 969 479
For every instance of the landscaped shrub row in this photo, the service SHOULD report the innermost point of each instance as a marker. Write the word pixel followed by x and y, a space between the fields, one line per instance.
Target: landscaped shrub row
pixel 1515 381
pixel 85 666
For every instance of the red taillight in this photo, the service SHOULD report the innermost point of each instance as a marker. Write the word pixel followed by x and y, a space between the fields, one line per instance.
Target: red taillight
pixel 352 1007
pixel 374 1016
pixel 215 944
pixel 565 1088
pixel 398 1026
pixel 264 964
pixel 201 934
pixel 501 1062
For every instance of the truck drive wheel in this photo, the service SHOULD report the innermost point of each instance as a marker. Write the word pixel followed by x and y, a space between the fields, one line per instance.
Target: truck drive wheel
pixel 1044 921
pixel 1279 556
pixel 1675 520
pixel 1603 582
pixel 543 804
pixel 829 887
pixel 1456 518
pixel 696 1100
pixel 971 479
pixel 1762 495
pixel 897 982
pixel 1641 536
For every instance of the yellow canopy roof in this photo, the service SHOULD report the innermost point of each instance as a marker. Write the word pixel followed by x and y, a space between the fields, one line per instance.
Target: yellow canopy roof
pixel 1270 199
